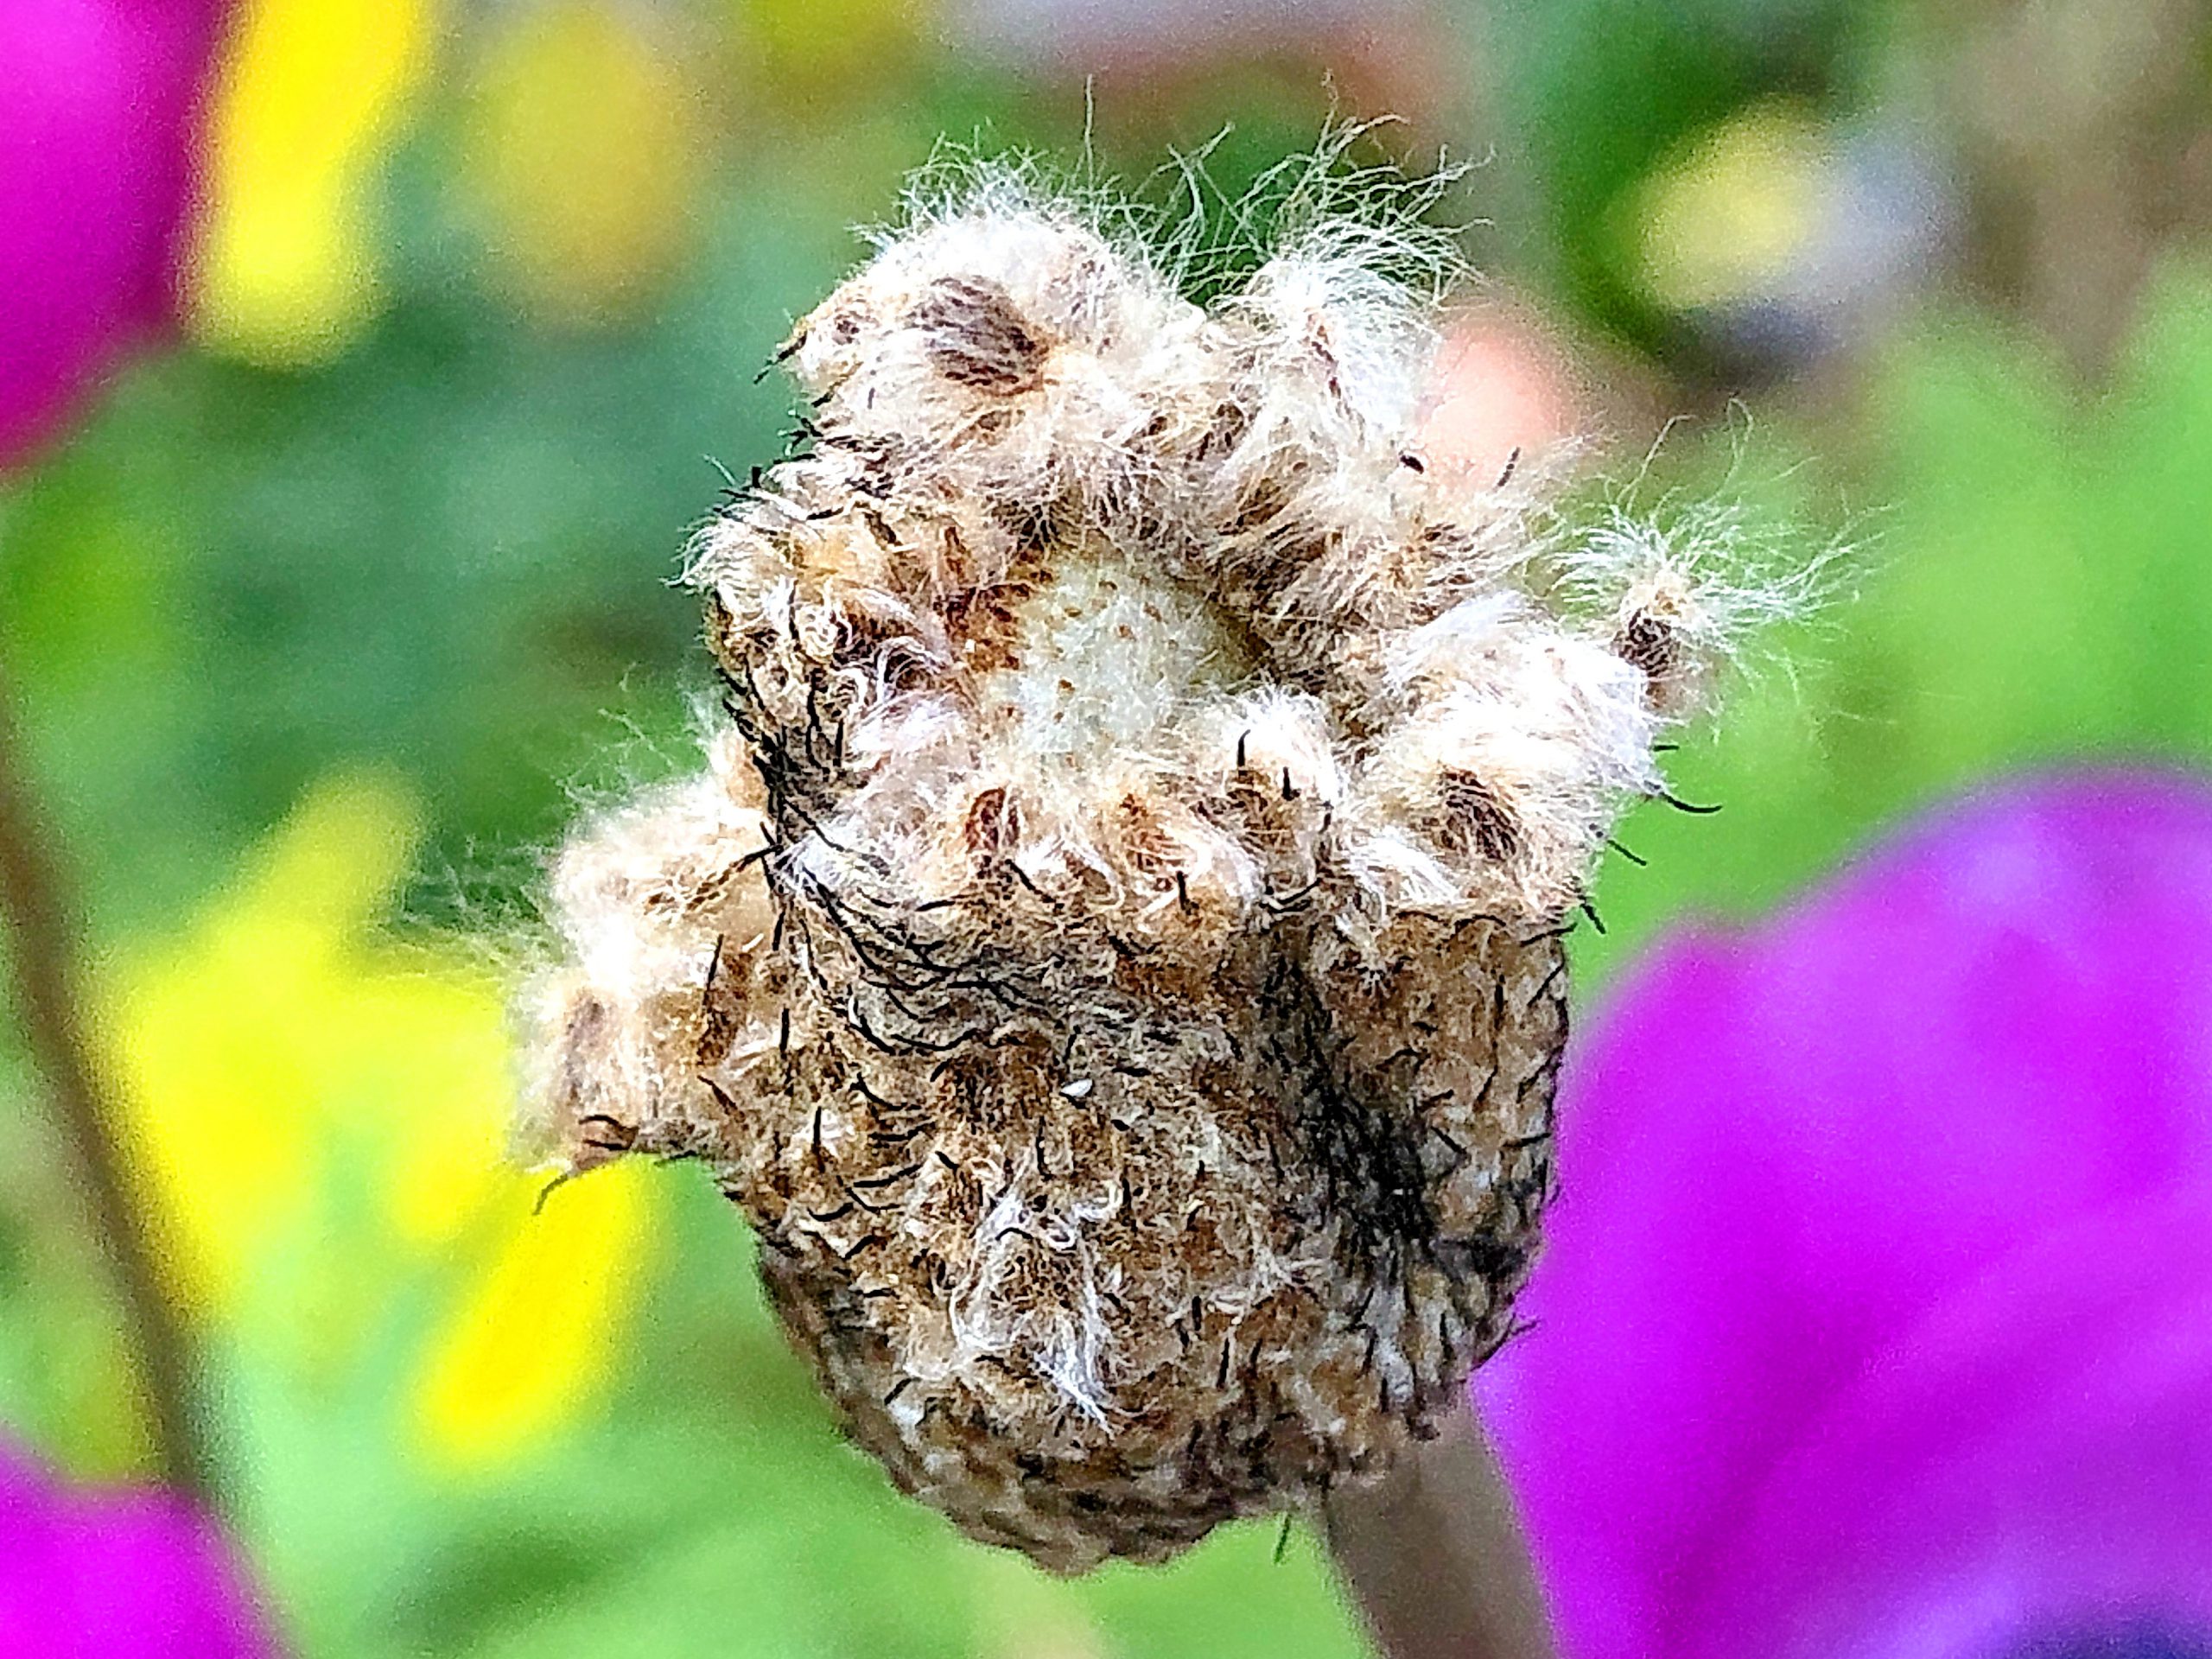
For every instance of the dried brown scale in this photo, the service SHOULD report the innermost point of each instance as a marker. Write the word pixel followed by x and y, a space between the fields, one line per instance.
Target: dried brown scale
pixel 1113 955
pixel 868 1234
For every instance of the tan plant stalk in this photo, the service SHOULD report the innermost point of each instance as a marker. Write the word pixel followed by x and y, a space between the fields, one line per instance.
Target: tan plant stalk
pixel 47 982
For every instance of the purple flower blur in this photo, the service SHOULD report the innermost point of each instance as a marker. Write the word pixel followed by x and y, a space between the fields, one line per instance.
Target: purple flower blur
pixel 96 135
pixel 127 1575
pixel 1876 1318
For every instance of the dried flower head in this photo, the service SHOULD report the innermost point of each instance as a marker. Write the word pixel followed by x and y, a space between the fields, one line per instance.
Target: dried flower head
pixel 1113 956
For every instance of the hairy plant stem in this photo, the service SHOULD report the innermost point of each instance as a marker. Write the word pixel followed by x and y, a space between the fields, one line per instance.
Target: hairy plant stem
pixel 1435 1556
pixel 47 982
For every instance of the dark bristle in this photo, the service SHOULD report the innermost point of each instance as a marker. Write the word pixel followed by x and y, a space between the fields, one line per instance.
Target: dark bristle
pixel 975 336
pixel 1491 830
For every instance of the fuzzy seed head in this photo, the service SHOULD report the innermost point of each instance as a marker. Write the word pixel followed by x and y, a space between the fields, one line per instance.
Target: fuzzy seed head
pixel 1113 956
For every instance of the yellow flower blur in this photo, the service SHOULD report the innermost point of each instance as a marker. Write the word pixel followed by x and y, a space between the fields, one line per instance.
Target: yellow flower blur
pixel 319 1115
pixel 585 144
pixel 530 1332
pixel 1722 221
pixel 312 95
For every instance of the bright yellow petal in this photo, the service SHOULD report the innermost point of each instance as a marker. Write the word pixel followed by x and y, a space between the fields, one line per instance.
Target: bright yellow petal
pixel 320 1117
pixel 311 97
pixel 534 1338
pixel 444 1071
pixel 222 1047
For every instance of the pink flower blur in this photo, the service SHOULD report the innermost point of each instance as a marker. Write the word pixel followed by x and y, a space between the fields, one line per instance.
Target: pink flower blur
pixel 115 1575
pixel 1502 386
pixel 96 135
pixel 1877 1314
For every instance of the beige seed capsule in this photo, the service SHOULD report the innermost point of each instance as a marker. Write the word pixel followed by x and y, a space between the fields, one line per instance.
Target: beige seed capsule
pixel 1114 955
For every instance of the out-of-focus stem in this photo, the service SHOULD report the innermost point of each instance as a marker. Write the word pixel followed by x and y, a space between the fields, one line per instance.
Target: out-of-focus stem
pixel 47 982
pixel 1436 1558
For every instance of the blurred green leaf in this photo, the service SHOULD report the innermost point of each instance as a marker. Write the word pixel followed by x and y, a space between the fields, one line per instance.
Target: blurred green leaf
pixel 1597 93
pixel 2036 589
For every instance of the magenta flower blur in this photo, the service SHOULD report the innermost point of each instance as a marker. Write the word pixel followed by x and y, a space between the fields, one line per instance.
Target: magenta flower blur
pixel 97 130
pixel 115 1575
pixel 1876 1320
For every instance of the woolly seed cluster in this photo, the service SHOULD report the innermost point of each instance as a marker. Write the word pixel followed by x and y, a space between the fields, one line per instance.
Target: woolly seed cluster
pixel 1113 954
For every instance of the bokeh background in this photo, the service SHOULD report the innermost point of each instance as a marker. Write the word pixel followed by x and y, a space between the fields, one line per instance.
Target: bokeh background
pixel 324 617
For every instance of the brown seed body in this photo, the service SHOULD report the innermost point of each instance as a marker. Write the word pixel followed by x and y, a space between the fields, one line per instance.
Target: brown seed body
pixel 1114 956
pixel 1092 1285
